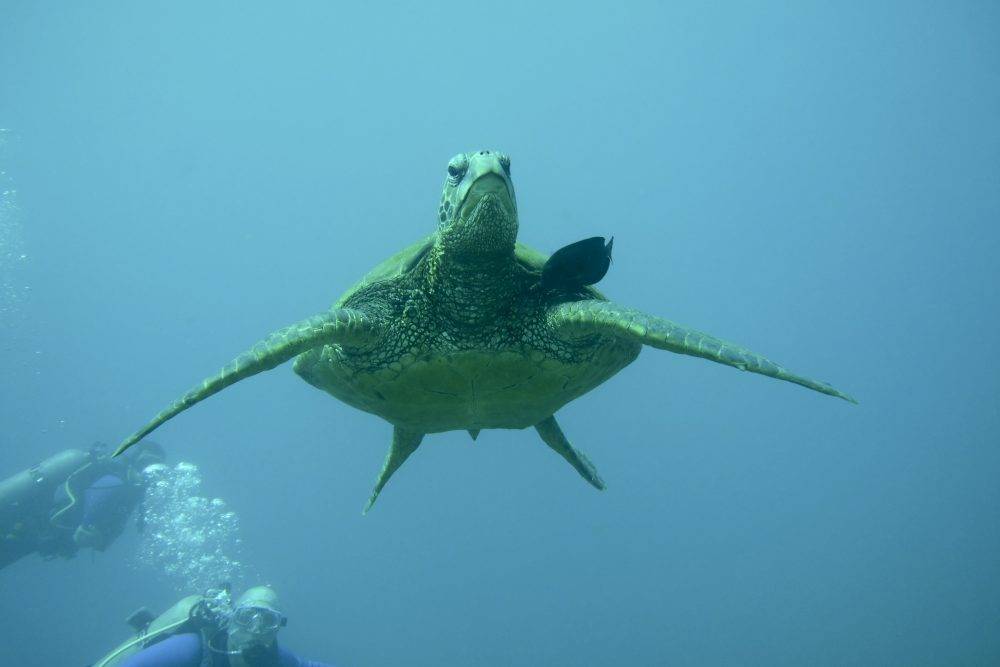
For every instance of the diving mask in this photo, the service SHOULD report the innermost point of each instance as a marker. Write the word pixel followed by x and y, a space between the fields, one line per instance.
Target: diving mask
pixel 257 620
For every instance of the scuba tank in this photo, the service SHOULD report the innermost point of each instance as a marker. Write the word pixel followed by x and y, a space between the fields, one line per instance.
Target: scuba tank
pixel 158 629
pixel 204 614
pixel 33 488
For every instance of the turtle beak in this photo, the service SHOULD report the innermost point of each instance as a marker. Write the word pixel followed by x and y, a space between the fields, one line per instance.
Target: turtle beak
pixel 487 186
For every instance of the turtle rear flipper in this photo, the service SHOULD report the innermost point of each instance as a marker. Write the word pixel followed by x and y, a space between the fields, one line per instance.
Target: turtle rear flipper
pixel 582 318
pixel 404 443
pixel 553 436
pixel 338 325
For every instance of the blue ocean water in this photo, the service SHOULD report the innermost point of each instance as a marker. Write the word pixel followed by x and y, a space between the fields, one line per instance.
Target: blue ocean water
pixel 816 181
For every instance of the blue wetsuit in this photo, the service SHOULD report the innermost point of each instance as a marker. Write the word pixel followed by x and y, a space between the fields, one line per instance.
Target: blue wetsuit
pixel 106 499
pixel 105 506
pixel 185 650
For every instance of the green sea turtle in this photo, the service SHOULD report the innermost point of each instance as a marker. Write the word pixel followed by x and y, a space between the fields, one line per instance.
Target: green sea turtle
pixel 457 332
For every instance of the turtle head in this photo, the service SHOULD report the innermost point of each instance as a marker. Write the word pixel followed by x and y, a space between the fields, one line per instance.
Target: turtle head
pixel 478 212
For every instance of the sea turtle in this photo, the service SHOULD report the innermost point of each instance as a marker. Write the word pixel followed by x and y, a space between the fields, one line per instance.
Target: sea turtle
pixel 456 332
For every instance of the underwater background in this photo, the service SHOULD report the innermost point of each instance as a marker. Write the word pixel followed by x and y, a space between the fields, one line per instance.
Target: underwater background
pixel 818 181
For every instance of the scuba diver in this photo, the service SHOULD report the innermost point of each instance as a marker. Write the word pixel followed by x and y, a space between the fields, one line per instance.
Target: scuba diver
pixel 209 631
pixel 72 500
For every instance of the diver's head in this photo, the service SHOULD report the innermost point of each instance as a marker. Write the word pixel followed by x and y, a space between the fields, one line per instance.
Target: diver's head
pixel 145 454
pixel 255 621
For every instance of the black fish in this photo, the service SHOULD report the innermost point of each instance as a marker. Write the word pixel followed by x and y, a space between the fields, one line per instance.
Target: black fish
pixel 582 263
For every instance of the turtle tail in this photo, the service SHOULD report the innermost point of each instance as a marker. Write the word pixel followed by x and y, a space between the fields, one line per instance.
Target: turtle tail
pixel 339 325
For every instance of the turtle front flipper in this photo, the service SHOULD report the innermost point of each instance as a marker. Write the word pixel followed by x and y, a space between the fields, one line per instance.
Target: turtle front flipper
pixel 338 325
pixel 404 443
pixel 553 436
pixel 582 318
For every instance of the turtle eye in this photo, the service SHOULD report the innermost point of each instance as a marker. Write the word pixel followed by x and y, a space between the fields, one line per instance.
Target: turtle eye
pixel 504 162
pixel 457 167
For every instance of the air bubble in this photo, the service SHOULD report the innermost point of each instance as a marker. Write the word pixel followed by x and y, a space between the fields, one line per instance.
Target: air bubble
pixel 12 255
pixel 189 540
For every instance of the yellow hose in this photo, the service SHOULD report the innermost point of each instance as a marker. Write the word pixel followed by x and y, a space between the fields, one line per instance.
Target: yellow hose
pixel 70 495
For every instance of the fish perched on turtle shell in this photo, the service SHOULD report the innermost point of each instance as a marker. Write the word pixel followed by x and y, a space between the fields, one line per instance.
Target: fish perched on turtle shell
pixel 455 333
pixel 578 264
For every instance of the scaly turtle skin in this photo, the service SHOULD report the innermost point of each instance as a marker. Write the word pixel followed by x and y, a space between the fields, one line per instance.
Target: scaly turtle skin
pixel 456 332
